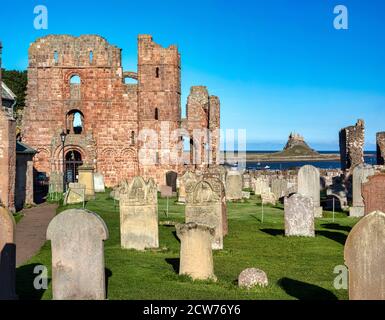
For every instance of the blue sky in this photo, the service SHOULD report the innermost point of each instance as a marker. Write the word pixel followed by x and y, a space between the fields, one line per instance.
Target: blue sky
pixel 277 65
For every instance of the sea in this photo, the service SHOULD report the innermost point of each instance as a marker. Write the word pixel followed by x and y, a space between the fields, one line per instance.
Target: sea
pixel 369 156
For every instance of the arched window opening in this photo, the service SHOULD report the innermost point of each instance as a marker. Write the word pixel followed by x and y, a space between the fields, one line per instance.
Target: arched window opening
pixel 132 138
pixel 91 56
pixel 75 84
pixel 75 122
pixel 157 72
pixel 56 56
pixel 156 114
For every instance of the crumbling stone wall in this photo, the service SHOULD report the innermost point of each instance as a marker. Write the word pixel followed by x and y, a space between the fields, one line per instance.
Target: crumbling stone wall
pixel 352 140
pixel 7 154
pixel 113 113
pixel 380 138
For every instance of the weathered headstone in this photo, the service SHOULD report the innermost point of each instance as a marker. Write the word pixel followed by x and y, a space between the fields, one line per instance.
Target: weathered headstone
pixel 365 257
pixel 252 277
pixel 246 180
pixel 260 185
pixel 7 256
pixel 75 193
pixel 373 193
pixel 234 185
pixel 206 205
pixel 86 177
pixel 279 187
pixel 269 198
pixel 99 182
pixel 165 191
pixel 360 176
pixel 196 257
pixel 139 214
pixel 309 186
pixel 171 177
pixel 299 216
pixel 77 247
pixel 186 182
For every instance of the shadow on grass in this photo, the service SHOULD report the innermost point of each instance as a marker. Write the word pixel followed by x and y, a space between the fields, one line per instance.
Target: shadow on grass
pixel 174 262
pixel 108 274
pixel 336 226
pixel 336 236
pixel 176 236
pixel 24 282
pixel 274 232
pixel 305 291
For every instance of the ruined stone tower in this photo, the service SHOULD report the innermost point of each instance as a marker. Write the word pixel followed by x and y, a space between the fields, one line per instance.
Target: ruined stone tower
pixel 77 85
pixel 380 140
pixel 352 141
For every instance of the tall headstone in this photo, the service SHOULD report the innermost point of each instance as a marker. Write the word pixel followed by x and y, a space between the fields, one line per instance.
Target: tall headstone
pixel 360 176
pixel 309 186
pixel 171 177
pixel 196 256
pixel 86 177
pixel 99 182
pixel 234 185
pixel 206 204
pixel 299 216
pixel 373 193
pixel 139 214
pixel 7 256
pixel 77 247
pixel 364 255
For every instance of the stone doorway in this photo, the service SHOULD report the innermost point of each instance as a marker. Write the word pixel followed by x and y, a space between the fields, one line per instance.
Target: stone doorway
pixel 73 160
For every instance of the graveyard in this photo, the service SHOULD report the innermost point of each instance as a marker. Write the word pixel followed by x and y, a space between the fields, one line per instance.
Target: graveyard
pixel 297 267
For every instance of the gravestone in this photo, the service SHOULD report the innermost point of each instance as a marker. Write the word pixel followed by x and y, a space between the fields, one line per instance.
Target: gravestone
pixel 360 176
pixel 269 198
pixel 299 216
pixel 234 185
pixel 171 177
pixel 279 187
pixel 373 193
pixel 206 204
pixel 139 214
pixel 86 177
pixel 99 182
pixel 309 186
pixel 260 185
pixel 196 256
pixel 246 181
pixel 77 247
pixel 186 182
pixel 364 255
pixel 7 256
pixel 75 193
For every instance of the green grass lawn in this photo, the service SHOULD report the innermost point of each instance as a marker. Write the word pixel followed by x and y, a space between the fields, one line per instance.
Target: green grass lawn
pixel 297 268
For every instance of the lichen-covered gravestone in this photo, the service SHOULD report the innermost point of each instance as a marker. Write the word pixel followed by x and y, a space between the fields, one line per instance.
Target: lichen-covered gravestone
pixel 252 277
pixel 299 216
pixel 260 185
pixel 77 247
pixel 206 205
pixel 186 182
pixel 309 186
pixel 75 193
pixel 279 187
pixel 7 256
pixel 234 185
pixel 139 214
pixel 364 255
pixel 373 193
pixel 196 256
pixel 360 176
